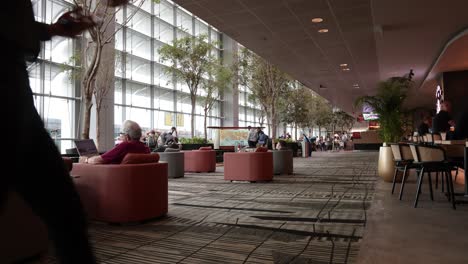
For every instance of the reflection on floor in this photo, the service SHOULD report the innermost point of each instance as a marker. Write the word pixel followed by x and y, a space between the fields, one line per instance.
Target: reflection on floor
pixel 396 232
pixel 317 215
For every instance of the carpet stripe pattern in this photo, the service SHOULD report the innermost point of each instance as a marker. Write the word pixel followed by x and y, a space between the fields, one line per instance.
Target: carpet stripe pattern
pixel 316 215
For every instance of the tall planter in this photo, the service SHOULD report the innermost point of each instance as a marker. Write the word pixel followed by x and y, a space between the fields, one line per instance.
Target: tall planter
pixel 386 165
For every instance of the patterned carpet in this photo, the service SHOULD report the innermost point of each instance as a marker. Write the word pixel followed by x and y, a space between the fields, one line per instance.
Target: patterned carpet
pixel 317 215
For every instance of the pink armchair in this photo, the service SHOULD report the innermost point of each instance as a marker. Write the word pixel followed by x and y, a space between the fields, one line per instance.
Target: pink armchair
pixel 200 160
pixel 122 192
pixel 248 166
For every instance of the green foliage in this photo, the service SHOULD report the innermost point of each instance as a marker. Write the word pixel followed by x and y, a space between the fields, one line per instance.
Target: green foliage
pixel 295 106
pixel 72 67
pixel 191 60
pixel 341 119
pixel 322 115
pixel 388 104
pixel 194 140
pixel 287 140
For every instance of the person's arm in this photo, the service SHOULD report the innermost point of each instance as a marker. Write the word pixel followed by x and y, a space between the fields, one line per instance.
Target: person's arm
pixel 42 31
pixel 96 160
pixel 92 160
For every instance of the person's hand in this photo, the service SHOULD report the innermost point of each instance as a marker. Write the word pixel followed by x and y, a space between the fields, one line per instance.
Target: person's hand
pixel 83 159
pixel 71 24
pixel 115 3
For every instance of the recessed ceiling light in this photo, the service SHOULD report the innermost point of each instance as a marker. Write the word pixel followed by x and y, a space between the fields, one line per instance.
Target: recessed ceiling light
pixel 356 85
pixel 346 69
pixel 317 20
pixel 344 65
pixel 323 30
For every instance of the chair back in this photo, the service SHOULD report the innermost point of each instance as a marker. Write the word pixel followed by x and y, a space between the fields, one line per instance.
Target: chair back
pixel 436 137
pixel 422 153
pixel 396 152
pixel 406 152
pixel 428 138
pixel 414 153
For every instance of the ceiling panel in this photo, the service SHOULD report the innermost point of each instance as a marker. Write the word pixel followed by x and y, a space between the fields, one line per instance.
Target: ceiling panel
pixel 376 38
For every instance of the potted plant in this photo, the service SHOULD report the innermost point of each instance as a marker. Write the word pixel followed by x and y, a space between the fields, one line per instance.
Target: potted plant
pixel 388 105
pixel 194 143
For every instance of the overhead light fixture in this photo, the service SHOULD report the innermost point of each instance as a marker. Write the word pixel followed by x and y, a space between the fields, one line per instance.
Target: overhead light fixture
pixel 344 65
pixel 317 20
pixel 323 30
pixel 346 69
pixel 356 86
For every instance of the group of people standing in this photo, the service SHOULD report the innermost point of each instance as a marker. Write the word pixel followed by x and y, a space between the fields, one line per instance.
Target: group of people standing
pixel 257 137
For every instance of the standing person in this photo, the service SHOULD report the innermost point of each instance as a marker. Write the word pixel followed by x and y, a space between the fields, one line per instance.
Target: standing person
pixel 253 137
pixel 262 138
pixel 44 184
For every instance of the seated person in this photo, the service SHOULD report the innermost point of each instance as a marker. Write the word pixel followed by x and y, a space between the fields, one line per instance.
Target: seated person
pixel 151 139
pixel 133 144
pixel 424 126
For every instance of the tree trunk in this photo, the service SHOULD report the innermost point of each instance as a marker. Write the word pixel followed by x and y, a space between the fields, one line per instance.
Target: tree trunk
pixel 204 125
pixel 193 99
pixel 274 126
pixel 98 126
pixel 320 131
pixel 274 123
pixel 87 118
pixel 295 131
pixel 88 86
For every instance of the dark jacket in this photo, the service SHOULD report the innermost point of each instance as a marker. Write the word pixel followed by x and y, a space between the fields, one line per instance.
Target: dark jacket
pixel 440 122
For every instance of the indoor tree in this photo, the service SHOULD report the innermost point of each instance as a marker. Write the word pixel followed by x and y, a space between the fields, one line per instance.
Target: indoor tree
pixel 191 64
pixel 295 107
pixel 267 83
pixel 388 104
pixel 214 86
pixel 321 114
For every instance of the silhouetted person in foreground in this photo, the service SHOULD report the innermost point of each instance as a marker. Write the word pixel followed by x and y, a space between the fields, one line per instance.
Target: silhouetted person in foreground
pixel 37 172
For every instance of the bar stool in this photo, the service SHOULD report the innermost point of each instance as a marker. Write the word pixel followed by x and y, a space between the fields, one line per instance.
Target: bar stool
pixel 432 159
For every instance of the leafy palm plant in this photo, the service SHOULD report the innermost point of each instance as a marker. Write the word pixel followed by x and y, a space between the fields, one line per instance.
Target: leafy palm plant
pixel 388 104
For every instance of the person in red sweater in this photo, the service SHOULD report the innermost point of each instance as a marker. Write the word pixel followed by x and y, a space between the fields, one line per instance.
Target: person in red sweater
pixel 132 144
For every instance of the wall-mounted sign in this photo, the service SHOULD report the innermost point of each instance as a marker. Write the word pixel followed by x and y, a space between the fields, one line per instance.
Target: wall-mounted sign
pixel 439 97
pixel 180 120
pixel 168 119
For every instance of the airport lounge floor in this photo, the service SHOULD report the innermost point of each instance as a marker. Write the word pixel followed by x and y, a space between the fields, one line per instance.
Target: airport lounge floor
pixel 333 209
